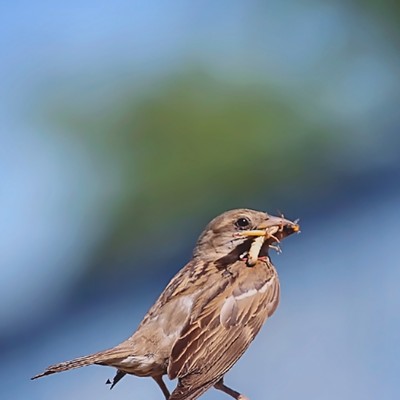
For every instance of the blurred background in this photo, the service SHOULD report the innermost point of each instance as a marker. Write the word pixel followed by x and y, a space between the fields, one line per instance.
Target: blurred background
pixel 126 126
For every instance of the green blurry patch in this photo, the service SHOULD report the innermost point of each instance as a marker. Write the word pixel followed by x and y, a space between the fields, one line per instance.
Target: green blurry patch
pixel 193 145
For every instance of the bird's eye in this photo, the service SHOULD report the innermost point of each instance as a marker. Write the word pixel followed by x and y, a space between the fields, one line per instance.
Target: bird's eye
pixel 242 223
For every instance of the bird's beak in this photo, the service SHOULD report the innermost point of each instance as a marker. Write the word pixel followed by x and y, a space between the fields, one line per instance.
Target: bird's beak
pixel 276 227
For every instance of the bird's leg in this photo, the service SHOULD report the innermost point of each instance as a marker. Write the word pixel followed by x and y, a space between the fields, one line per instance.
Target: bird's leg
pixel 236 395
pixel 162 385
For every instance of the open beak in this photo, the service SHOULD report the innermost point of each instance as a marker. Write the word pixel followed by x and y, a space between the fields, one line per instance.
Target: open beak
pixel 270 231
pixel 275 227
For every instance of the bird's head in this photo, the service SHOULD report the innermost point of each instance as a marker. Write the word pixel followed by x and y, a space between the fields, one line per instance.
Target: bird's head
pixel 242 234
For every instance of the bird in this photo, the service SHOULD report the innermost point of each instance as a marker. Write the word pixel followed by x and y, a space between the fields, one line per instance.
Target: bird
pixel 208 314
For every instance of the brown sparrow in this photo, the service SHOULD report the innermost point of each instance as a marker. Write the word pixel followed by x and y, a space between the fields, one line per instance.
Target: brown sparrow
pixel 209 313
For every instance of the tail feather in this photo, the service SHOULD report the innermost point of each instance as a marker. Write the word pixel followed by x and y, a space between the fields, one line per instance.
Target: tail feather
pixel 97 358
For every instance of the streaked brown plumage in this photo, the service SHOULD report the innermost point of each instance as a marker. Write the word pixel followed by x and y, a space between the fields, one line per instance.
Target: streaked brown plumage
pixel 209 313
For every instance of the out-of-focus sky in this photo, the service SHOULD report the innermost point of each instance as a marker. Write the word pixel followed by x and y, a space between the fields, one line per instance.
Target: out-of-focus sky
pixel 126 126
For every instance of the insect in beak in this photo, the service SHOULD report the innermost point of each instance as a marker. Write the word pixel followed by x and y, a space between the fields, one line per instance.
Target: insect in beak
pixel 272 230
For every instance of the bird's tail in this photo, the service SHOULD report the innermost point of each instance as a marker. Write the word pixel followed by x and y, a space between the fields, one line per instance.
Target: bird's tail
pixel 102 358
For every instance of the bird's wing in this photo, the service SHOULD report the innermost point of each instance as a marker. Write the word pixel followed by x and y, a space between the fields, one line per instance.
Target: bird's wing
pixel 223 323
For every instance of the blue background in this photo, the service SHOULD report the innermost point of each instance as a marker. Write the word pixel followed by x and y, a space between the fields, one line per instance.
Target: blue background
pixel 126 126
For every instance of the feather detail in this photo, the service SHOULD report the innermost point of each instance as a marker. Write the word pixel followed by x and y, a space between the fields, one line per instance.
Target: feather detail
pixel 208 314
pixel 223 324
pixel 107 357
pixel 72 364
pixel 184 391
